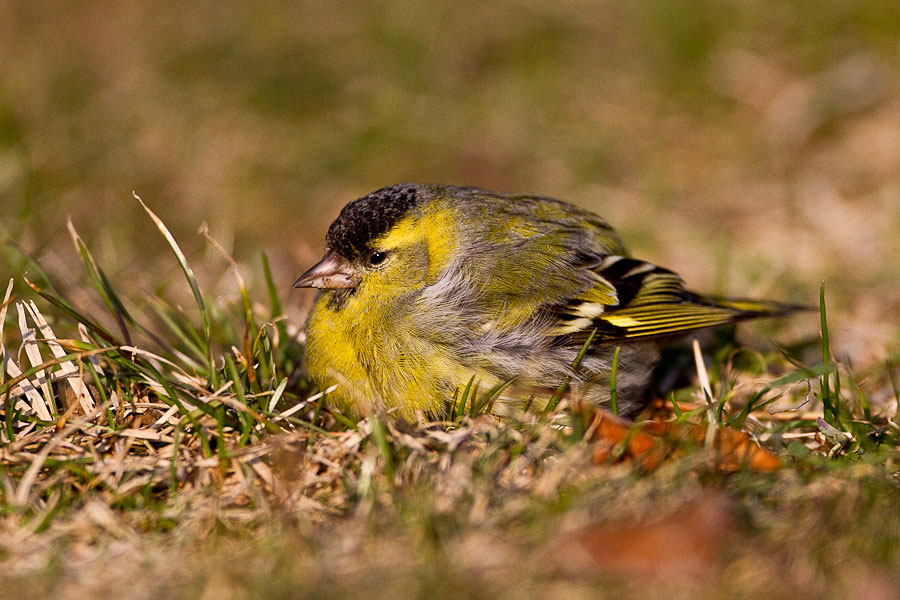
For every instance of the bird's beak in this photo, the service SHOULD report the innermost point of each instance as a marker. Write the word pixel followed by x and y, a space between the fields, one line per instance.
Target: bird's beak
pixel 332 272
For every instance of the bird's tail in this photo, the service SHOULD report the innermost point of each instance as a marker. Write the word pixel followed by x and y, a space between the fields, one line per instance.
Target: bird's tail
pixel 745 308
pixel 686 312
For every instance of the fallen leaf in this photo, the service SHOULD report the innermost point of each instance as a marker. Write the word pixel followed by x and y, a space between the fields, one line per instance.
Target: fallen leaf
pixel 649 443
pixel 684 544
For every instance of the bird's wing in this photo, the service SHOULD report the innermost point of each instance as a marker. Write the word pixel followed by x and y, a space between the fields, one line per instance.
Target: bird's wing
pixel 634 299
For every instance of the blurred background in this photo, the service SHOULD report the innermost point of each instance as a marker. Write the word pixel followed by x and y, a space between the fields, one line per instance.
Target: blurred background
pixel 752 146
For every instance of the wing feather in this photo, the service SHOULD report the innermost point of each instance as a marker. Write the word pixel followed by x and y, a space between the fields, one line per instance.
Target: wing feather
pixel 648 301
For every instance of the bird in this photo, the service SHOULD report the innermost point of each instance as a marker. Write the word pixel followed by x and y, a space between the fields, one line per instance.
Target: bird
pixel 427 290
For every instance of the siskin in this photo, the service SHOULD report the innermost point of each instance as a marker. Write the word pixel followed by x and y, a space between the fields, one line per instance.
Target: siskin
pixel 428 288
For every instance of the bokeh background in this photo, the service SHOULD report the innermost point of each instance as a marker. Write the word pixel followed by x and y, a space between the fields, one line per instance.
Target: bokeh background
pixel 752 146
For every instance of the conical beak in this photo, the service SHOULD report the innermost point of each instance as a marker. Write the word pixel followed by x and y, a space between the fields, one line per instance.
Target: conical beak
pixel 332 272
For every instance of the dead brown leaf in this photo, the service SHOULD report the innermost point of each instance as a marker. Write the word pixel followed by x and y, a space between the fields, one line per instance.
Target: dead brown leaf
pixel 649 443
pixel 685 544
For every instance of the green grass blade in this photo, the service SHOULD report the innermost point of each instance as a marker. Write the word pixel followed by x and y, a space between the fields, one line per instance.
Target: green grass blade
pixel 799 375
pixel 380 437
pixel 460 409
pixel 584 349
pixel 451 412
pixel 34 266
pixel 179 326
pixel 485 404
pixel 864 403
pixel 894 385
pixel 825 393
pixel 564 387
pixel 613 393
pixel 195 289
pixel 555 398
pixel 173 462
pixel 101 283
pixel 67 308
pixel 675 408
pixel 236 384
pixel 274 301
pixel 343 419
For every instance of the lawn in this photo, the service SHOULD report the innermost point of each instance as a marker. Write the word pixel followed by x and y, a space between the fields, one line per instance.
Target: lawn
pixel 168 170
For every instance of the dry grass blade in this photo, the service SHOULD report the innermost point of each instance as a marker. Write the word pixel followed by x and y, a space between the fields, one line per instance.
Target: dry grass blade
pixel 3 307
pixel 30 345
pixel 71 373
pixel 276 395
pixel 22 376
pixel 28 479
pixel 185 376
pixel 145 434
pixel 706 389
pixel 83 333
pixel 242 285
pixel 301 405
pixel 23 387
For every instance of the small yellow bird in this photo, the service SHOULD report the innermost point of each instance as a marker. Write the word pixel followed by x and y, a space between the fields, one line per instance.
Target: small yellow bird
pixel 427 289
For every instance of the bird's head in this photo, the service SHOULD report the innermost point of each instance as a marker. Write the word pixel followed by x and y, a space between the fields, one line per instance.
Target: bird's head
pixel 390 242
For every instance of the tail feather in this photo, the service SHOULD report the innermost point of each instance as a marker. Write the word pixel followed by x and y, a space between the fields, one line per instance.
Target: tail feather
pixel 687 313
pixel 634 299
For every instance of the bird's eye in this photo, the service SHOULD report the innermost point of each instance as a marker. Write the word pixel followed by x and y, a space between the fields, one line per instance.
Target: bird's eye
pixel 376 258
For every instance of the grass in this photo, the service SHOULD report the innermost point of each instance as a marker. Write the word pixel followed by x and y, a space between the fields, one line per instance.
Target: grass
pixel 208 445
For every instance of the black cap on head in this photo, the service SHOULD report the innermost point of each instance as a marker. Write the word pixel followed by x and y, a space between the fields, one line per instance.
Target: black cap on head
pixel 364 220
